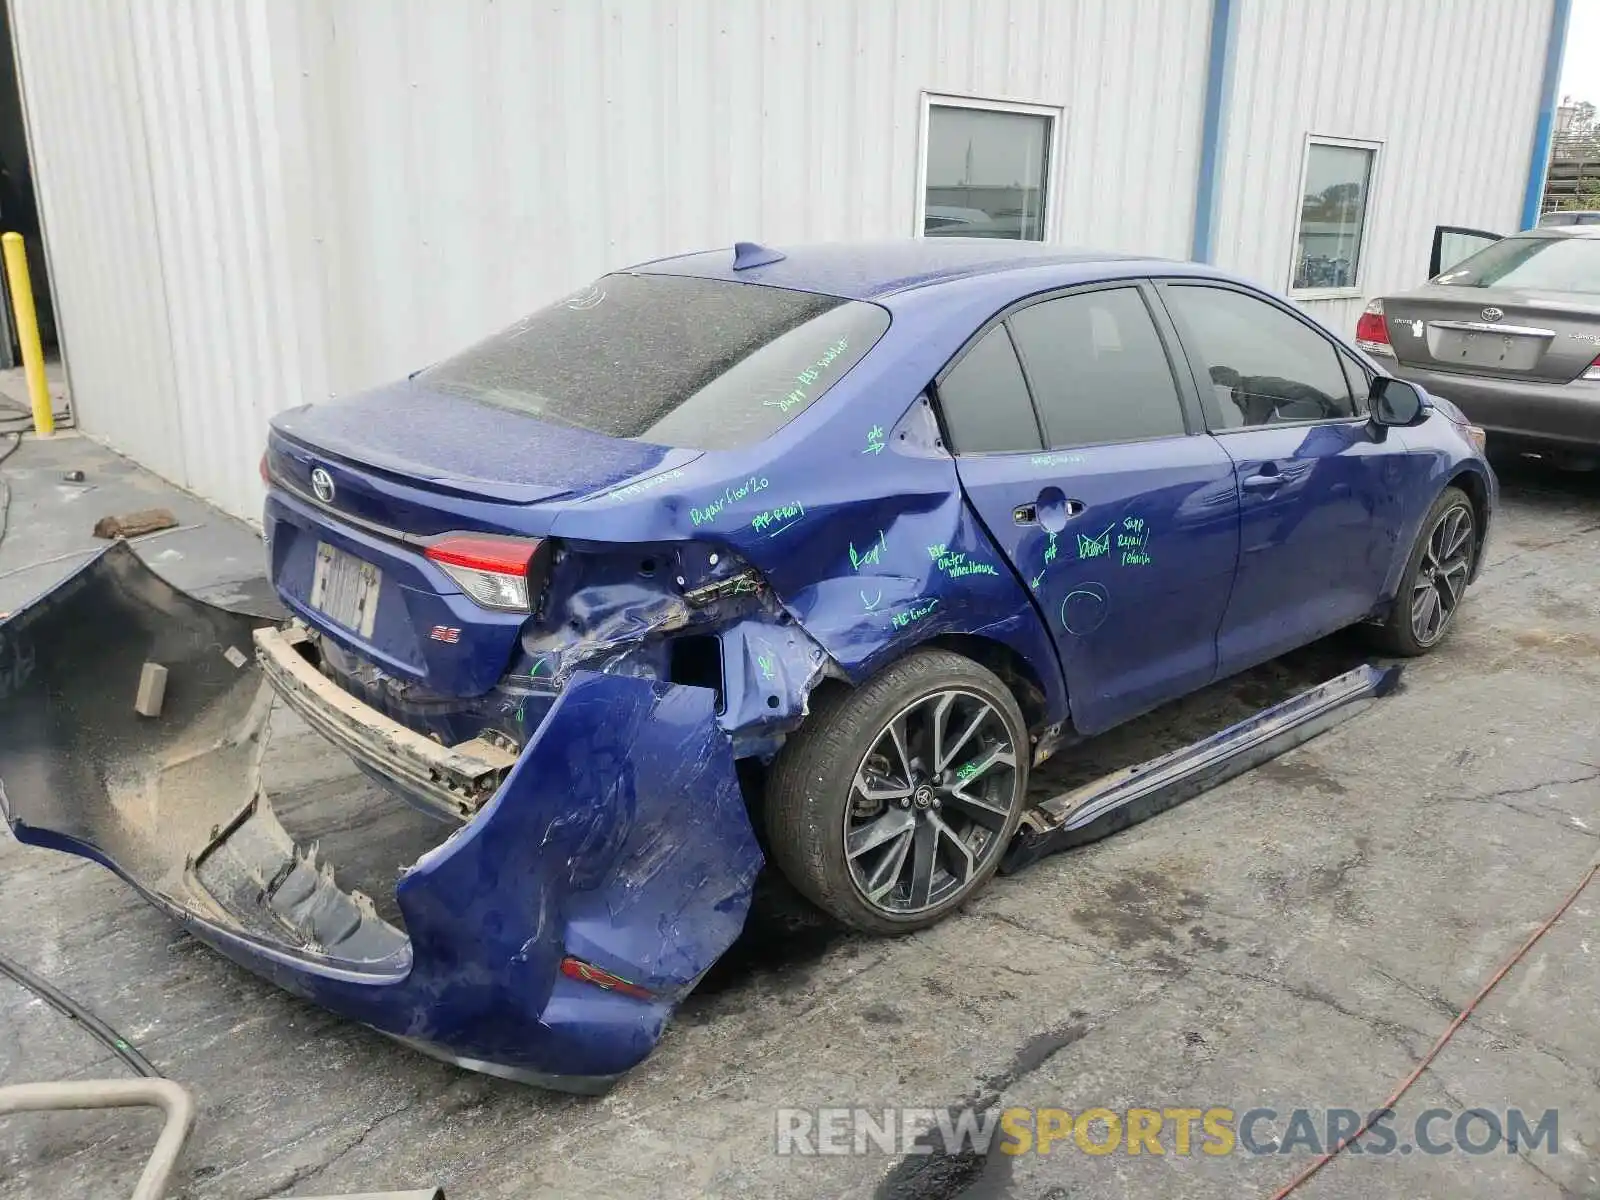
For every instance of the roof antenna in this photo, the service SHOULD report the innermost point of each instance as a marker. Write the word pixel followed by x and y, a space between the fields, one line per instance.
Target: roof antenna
pixel 754 254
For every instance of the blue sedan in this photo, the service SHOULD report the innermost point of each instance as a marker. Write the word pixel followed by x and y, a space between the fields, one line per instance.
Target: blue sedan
pixel 805 555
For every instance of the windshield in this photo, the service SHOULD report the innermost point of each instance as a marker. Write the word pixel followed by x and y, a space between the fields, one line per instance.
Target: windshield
pixel 1545 264
pixel 702 363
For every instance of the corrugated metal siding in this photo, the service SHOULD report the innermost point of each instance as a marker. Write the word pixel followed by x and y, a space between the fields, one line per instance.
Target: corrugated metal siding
pixel 256 202
pixel 492 155
pixel 86 131
pixel 153 127
pixel 1451 90
pixel 253 203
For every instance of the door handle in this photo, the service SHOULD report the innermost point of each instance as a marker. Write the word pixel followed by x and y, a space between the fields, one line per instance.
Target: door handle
pixel 1028 514
pixel 1268 478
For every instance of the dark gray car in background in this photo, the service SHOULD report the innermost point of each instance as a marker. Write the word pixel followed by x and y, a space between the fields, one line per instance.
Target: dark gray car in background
pixel 1511 333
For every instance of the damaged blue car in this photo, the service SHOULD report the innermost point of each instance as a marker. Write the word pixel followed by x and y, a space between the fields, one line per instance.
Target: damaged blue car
pixel 807 556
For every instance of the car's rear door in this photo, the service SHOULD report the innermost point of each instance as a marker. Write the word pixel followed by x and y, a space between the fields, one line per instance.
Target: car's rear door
pixel 1318 483
pixel 1453 243
pixel 1081 449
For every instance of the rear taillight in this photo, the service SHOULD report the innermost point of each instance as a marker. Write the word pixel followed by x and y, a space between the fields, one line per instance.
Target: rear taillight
pixel 492 571
pixel 576 968
pixel 1593 371
pixel 1372 334
pixel 266 471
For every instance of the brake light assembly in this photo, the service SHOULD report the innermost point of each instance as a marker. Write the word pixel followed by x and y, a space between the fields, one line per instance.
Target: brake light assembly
pixel 1372 331
pixel 498 573
pixel 1592 371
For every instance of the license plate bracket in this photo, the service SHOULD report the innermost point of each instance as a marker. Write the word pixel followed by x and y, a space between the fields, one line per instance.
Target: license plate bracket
pixel 1511 352
pixel 345 589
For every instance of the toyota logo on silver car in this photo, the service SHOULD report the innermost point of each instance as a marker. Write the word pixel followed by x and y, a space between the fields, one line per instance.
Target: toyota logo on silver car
pixel 1492 314
pixel 322 485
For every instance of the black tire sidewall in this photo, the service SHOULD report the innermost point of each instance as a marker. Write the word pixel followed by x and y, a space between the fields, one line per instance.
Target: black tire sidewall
pixel 1401 638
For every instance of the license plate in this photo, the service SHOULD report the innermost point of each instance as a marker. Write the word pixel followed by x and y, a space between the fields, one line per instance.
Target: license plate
pixel 345 589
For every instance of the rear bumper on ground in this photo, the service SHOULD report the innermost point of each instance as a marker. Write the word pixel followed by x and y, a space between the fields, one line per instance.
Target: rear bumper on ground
pixel 618 836
pixel 1560 413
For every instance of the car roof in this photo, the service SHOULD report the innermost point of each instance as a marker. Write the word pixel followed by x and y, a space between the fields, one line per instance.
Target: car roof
pixel 1589 232
pixel 870 270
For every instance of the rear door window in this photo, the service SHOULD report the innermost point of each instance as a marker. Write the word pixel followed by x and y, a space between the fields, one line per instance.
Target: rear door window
pixel 984 400
pixel 1097 369
pixel 708 364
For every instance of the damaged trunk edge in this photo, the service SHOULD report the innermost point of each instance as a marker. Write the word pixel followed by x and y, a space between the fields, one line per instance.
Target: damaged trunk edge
pixel 616 838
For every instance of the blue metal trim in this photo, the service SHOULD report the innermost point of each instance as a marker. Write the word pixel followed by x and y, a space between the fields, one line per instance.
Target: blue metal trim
pixel 1219 82
pixel 1532 199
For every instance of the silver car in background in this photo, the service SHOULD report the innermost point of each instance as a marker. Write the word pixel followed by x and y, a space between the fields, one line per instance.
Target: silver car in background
pixel 1511 333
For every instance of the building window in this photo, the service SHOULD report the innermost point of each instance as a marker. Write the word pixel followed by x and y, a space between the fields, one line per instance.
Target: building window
pixel 1333 215
pixel 986 169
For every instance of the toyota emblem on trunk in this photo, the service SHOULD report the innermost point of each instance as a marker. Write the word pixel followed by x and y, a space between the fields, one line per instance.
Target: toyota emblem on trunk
pixel 322 485
pixel 1492 314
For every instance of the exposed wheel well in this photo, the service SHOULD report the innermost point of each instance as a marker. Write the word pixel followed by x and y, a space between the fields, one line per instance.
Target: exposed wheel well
pixel 1014 671
pixel 1005 662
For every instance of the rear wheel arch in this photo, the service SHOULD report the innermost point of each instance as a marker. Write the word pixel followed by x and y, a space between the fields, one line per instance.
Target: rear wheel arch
pixel 1013 669
pixel 1477 489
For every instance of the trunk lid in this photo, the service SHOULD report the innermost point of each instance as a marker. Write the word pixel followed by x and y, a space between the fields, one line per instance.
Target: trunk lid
pixel 1506 332
pixel 401 467
pixel 456 449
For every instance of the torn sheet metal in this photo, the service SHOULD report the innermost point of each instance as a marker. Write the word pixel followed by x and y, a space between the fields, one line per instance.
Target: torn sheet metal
pixel 1126 797
pixel 619 836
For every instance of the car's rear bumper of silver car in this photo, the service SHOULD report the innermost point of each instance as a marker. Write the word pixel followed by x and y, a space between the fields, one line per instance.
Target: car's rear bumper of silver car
pixel 1561 413
pixel 615 842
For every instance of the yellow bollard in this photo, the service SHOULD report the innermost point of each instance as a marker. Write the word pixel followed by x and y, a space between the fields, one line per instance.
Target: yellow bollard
pixel 16 256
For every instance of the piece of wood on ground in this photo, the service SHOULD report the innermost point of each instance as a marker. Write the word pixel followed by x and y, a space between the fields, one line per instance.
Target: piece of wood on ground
pixel 146 520
pixel 152 690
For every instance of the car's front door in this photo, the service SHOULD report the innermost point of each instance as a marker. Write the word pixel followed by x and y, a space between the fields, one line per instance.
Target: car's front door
pixel 1081 451
pixel 1318 482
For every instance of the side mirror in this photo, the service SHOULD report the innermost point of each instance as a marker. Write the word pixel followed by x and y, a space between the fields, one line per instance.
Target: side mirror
pixel 1395 402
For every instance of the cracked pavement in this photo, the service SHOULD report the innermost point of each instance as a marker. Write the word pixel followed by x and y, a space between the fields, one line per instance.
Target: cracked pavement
pixel 1298 937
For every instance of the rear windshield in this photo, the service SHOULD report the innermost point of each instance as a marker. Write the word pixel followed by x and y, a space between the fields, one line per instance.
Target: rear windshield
pixel 1547 264
pixel 702 363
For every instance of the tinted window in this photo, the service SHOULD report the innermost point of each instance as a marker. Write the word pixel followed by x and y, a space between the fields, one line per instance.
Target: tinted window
pixel 1552 264
pixel 1359 379
pixel 1097 368
pixel 704 363
pixel 985 401
pixel 1264 364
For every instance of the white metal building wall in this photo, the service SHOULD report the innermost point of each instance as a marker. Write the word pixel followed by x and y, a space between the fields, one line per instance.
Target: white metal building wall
pixel 277 200
pixel 1450 90
pixel 251 203
pixel 152 127
pixel 482 157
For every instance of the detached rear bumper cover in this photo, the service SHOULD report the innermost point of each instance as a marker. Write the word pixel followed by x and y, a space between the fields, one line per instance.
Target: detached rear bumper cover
pixel 619 836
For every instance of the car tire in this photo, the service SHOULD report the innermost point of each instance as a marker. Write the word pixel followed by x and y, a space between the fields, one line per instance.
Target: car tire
pixel 1435 579
pixel 894 802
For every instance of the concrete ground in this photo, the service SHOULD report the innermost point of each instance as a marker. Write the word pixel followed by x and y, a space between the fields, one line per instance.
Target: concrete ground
pixel 1298 937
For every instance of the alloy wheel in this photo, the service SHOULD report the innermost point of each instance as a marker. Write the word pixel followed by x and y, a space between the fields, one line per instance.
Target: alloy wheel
pixel 1442 575
pixel 929 803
